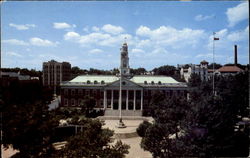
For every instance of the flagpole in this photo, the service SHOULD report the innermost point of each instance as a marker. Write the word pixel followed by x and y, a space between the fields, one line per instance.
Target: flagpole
pixel 120 123
pixel 120 97
pixel 213 61
pixel 214 38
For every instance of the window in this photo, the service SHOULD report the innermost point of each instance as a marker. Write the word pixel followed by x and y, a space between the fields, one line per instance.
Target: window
pixel 95 82
pixel 102 82
pixel 87 92
pixel 159 82
pixel 72 92
pixel 145 82
pixel 152 82
pixel 66 91
pixel 167 93
pixel 80 91
pixel 88 82
pixel 72 102
pixel 65 102
pixel 123 83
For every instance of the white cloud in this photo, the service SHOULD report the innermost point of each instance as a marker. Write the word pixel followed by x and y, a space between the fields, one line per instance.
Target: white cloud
pixel 22 27
pixel 42 42
pixel 159 51
pixel 95 29
pixel 135 50
pixel 238 13
pixel 97 38
pixel 13 54
pixel 15 42
pixel 143 43
pixel 203 17
pixel 112 29
pixel 166 35
pixel 63 25
pixel 71 36
pixel 208 56
pixel 117 40
pixel 143 31
pixel 96 51
pixel 93 38
pixel 239 35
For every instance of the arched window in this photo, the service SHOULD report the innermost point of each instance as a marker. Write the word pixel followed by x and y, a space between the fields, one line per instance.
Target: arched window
pixel 152 82
pixel 88 82
pixel 145 82
pixel 95 82
pixel 159 82
pixel 102 82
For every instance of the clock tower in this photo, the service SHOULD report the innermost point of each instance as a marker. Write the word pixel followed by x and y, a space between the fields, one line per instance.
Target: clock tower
pixel 124 68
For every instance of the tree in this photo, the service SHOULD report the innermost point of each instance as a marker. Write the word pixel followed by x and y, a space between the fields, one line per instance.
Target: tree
pixel 28 128
pixel 88 105
pixel 165 70
pixel 194 81
pixel 141 130
pixel 216 66
pixel 92 141
pixel 138 71
pixel 169 115
pixel 203 126
pixel 214 117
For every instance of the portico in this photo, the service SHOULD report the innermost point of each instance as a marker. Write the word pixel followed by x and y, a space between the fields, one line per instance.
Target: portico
pixel 130 99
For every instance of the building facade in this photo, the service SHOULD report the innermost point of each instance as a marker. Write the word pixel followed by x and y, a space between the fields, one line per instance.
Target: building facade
pixel 55 72
pixel 137 91
pixel 200 70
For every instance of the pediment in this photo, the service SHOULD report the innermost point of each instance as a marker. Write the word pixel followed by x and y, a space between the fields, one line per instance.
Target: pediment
pixel 125 83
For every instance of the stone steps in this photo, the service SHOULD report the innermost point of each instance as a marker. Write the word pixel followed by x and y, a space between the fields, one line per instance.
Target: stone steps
pixel 109 112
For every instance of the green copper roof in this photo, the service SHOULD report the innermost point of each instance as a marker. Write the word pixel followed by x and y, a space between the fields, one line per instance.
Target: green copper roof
pixel 93 78
pixel 103 80
pixel 155 79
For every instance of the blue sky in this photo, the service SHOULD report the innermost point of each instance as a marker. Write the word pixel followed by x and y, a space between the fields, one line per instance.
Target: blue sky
pixel 89 34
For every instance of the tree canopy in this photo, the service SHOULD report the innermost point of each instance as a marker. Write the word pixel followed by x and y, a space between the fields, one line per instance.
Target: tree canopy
pixel 92 141
pixel 202 126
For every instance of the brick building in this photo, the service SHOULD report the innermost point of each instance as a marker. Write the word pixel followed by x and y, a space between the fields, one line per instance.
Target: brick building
pixel 55 72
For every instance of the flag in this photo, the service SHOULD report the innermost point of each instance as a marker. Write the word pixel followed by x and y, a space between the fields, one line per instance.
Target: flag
pixel 215 38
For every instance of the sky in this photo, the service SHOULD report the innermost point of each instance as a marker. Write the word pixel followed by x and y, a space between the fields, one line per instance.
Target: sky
pixel 89 34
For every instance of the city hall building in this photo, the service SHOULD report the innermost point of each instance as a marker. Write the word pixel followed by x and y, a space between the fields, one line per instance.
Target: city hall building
pixel 137 91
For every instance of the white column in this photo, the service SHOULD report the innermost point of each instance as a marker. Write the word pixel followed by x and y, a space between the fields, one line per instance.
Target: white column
pixel 105 99
pixel 127 101
pixel 112 99
pixel 134 98
pixel 141 99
